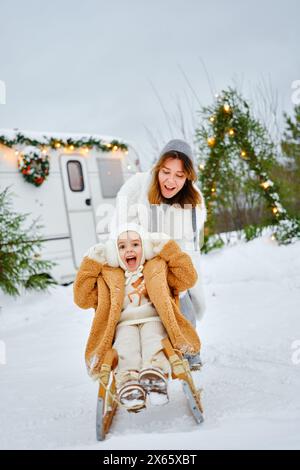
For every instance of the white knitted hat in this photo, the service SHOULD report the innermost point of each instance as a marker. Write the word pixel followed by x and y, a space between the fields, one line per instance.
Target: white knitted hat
pixel 111 246
pixel 178 145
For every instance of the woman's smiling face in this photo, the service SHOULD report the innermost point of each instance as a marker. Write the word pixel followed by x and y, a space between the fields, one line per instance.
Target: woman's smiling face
pixel 171 177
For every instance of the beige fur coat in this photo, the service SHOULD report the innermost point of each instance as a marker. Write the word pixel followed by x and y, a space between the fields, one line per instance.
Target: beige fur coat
pixel 102 287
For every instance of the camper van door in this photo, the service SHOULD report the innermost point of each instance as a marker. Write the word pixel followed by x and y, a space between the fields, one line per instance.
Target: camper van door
pixel 79 205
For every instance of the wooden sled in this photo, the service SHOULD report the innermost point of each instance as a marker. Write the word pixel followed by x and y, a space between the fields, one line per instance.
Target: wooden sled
pixel 107 402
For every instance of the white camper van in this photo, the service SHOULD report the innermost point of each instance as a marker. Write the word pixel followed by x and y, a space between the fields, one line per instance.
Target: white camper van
pixel 72 201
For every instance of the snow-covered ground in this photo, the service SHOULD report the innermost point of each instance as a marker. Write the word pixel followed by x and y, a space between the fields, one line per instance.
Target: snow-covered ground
pixel 251 373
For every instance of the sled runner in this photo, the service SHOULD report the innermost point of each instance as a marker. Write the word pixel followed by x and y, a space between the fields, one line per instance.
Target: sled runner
pixel 107 396
pixel 181 370
pixel 106 403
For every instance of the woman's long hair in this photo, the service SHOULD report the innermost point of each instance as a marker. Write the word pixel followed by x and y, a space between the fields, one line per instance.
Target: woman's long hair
pixel 187 195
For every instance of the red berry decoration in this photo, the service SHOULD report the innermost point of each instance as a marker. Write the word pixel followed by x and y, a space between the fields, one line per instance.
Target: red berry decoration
pixel 34 166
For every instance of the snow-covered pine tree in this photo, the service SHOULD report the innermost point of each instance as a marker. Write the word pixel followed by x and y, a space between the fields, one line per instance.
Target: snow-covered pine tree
pixel 291 141
pixel 290 146
pixel 20 263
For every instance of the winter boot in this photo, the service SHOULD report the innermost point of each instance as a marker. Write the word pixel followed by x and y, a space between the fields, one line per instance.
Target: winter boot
pixel 195 361
pixel 132 396
pixel 155 383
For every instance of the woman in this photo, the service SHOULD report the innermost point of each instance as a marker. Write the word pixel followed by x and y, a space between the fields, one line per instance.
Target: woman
pixel 166 199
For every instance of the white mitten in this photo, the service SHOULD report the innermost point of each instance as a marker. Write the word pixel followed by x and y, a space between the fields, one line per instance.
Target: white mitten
pixel 198 299
pixel 97 253
pixel 158 241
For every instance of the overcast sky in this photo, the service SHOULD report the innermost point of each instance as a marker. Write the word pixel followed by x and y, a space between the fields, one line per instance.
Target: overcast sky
pixel 103 67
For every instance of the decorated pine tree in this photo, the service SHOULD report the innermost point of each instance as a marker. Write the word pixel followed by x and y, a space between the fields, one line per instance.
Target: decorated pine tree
pixel 20 263
pixel 236 155
pixel 290 146
pixel 291 141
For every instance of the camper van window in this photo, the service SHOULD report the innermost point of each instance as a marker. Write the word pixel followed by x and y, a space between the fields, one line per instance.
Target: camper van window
pixel 75 175
pixel 111 176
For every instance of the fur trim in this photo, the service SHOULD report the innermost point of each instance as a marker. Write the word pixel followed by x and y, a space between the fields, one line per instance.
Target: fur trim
pixel 148 247
pixel 111 253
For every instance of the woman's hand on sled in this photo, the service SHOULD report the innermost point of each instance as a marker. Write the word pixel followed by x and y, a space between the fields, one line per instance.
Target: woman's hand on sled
pixel 97 253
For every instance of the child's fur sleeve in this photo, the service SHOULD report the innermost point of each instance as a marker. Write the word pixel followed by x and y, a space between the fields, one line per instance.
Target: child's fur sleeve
pixel 181 273
pixel 85 285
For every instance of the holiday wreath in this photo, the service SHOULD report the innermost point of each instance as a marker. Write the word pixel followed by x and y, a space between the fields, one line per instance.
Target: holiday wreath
pixel 34 166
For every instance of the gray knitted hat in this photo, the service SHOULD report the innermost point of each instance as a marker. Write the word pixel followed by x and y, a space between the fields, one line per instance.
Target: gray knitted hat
pixel 178 145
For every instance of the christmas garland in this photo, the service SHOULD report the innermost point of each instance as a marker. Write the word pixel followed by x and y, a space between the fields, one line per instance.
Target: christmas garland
pixel 34 166
pixel 70 143
pixel 33 162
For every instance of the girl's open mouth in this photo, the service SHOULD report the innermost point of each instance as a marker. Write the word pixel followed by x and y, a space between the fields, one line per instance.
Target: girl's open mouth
pixel 131 260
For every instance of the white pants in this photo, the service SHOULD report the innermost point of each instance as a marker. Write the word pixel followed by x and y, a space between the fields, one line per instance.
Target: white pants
pixel 139 346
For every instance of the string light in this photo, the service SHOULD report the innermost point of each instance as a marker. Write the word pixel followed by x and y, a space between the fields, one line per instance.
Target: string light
pixel 265 185
pixel 57 145
pixel 212 118
pixel 226 108
pixel 115 148
pixel 231 132
pixel 201 166
pixel 243 153
pixel 211 141
pixel 85 150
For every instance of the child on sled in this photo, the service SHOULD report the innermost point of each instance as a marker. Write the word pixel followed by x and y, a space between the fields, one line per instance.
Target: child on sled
pixel 133 282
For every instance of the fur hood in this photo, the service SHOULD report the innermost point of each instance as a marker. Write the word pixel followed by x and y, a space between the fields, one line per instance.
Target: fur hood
pixel 149 243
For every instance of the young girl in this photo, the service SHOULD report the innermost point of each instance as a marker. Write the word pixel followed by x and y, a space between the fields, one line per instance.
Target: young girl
pixel 133 282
